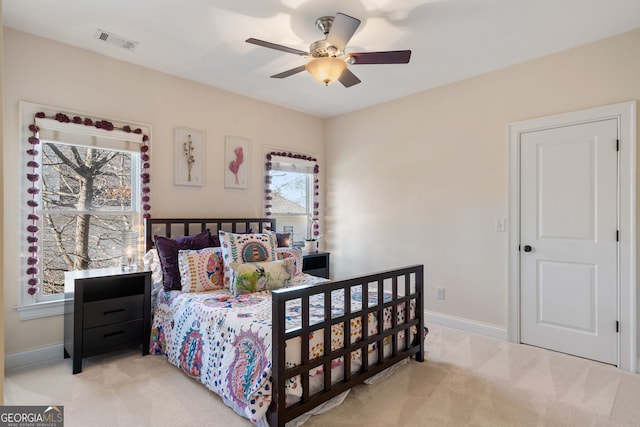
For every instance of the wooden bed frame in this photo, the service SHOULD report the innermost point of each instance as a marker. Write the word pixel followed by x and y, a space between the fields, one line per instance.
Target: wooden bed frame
pixel 406 285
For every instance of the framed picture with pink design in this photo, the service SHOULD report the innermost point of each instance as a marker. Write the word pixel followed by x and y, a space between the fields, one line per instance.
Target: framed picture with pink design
pixel 237 162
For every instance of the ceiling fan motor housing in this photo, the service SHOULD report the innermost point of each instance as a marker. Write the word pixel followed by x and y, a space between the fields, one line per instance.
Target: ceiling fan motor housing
pixel 324 24
pixel 322 48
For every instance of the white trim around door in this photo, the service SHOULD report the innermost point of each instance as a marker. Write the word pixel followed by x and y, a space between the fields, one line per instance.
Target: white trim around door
pixel 625 113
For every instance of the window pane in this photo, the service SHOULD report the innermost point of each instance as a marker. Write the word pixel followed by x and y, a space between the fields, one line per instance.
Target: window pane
pixel 291 202
pixel 292 187
pixel 296 224
pixel 89 200
pixel 86 178
pixel 79 242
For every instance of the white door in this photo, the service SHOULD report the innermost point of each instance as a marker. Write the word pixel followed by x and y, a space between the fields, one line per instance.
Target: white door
pixel 568 239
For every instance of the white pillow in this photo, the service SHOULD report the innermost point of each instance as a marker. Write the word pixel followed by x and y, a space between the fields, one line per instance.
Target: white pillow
pixel 252 277
pixel 151 261
pixel 295 254
pixel 201 270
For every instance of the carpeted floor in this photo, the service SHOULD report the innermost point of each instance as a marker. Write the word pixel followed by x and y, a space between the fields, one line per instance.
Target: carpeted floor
pixel 466 380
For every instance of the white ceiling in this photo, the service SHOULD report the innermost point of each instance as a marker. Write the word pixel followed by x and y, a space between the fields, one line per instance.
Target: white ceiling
pixel 204 40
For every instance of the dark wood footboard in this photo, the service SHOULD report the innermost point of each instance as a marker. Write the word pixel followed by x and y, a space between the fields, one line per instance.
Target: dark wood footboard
pixel 406 287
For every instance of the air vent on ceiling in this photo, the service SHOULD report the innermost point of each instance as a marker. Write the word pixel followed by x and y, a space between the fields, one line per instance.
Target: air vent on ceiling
pixel 115 39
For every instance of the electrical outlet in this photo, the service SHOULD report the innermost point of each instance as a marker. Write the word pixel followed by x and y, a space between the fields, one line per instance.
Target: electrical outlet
pixel 440 293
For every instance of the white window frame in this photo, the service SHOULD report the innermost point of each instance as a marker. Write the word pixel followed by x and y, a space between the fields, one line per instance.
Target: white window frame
pixel 302 165
pixel 308 214
pixel 32 307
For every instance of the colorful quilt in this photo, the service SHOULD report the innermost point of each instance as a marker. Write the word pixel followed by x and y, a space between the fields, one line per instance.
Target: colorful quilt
pixel 224 341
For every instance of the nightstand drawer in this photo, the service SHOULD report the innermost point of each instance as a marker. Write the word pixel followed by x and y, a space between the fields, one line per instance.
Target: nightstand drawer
pixel 113 310
pixel 111 335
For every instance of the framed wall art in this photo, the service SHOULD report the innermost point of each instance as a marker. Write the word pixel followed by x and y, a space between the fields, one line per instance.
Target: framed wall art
pixel 189 157
pixel 237 161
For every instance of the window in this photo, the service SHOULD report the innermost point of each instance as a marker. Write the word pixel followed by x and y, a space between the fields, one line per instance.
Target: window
pixel 87 191
pixel 292 194
pixel 291 198
pixel 89 208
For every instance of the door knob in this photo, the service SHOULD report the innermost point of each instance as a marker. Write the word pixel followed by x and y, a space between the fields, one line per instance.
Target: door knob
pixel 527 248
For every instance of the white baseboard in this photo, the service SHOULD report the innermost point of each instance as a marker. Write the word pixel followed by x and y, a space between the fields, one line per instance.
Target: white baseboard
pixel 34 357
pixel 466 325
pixel 474 327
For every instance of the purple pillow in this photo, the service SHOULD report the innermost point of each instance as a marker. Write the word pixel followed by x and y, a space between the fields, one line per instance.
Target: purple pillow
pixel 168 253
pixel 214 240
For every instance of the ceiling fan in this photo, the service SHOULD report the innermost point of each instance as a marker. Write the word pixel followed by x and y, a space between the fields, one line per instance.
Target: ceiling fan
pixel 328 59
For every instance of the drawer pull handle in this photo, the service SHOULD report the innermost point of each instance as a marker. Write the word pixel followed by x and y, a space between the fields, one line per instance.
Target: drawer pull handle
pixel 106 313
pixel 113 334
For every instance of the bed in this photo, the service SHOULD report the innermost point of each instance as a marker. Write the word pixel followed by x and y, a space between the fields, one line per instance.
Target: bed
pixel 264 352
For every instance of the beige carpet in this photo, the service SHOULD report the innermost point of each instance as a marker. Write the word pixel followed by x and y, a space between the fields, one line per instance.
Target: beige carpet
pixel 467 380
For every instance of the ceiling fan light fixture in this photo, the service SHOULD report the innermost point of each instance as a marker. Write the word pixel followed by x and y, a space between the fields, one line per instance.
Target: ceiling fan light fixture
pixel 327 58
pixel 326 69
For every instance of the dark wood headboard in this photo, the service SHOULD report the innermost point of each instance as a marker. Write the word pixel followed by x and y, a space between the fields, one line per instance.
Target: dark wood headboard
pixel 176 227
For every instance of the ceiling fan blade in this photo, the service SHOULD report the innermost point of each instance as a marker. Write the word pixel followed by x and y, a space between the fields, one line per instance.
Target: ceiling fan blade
pixel 342 29
pixel 348 79
pixel 388 57
pixel 277 47
pixel 288 73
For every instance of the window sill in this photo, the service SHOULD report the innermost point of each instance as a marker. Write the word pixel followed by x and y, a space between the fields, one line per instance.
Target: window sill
pixel 41 309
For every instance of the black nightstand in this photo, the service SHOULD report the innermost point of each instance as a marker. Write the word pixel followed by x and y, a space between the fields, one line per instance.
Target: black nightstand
pixel 105 309
pixel 316 263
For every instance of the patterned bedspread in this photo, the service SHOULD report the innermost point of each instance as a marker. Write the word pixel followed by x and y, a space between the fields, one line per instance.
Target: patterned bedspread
pixel 224 341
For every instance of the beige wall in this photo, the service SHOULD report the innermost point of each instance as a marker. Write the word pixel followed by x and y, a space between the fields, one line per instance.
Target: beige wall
pixel 46 72
pixel 436 171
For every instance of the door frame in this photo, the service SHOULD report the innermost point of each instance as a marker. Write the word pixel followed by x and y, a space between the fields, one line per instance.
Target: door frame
pixel 625 113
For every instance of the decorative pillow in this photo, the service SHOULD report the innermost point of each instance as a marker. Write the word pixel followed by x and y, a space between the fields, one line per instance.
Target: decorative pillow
pixel 252 277
pixel 201 270
pixel 284 240
pixel 168 251
pixel 245 248
pixel 151 261
pixel 293 253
